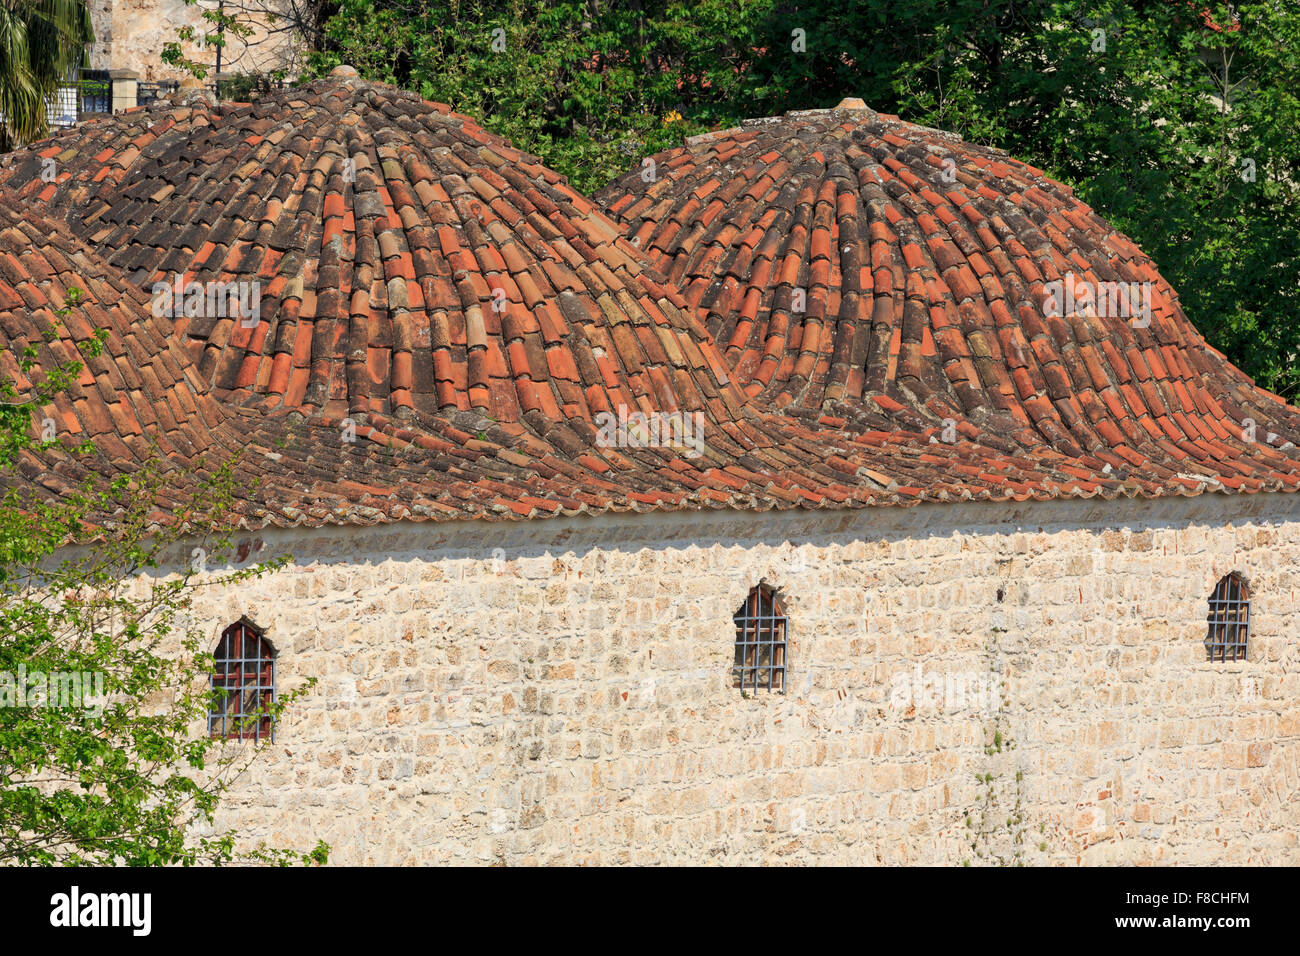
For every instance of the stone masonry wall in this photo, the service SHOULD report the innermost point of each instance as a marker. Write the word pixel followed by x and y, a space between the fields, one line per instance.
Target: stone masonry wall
pixel 131 34
pixel 970 682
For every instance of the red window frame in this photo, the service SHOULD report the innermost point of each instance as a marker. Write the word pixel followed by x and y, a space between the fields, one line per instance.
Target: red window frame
pixel 243 684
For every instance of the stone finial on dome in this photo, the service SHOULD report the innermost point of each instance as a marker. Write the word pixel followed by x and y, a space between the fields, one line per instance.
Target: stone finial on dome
pixel 191 91
pixel 344 70
pixel 851 103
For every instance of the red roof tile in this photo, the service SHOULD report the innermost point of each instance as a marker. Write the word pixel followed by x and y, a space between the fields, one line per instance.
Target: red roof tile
pixel 985 234
pixel 379 305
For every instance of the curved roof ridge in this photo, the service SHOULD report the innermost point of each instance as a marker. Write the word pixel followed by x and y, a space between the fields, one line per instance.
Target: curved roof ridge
pixel 851 263
pixel 446 330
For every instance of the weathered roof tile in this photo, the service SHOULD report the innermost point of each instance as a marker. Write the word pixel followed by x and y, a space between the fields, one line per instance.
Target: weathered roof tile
pixel 995 232
pixel 439 332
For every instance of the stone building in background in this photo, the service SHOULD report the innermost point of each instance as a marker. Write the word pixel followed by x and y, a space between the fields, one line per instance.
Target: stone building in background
pixel 841 492
pixel 130 36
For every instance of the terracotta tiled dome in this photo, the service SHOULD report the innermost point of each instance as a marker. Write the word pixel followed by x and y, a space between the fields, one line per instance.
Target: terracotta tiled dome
pixel 139 402
pixel 925 266
pixel 382 230
pixel 97 155
pixel 410 264
pixel 137 388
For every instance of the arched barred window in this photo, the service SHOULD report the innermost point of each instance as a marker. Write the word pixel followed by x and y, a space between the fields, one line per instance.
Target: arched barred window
pixel 243 684
pixel 1229 620
pixel 760 642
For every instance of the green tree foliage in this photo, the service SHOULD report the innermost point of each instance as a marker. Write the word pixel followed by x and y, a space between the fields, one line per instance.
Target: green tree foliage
pixel 230 37
pixel 118 768
pixel 1179 121
pixel 40 42
pixel 590 87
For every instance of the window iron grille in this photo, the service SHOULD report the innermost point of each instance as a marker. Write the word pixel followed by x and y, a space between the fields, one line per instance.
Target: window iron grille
pixel 96 91
pixel 61 107
pixel 86 92
pixel 761 629
pixel 243 685
pixel 1229 620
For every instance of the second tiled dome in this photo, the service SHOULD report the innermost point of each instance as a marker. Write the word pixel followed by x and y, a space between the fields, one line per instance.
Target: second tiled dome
pixel 851 263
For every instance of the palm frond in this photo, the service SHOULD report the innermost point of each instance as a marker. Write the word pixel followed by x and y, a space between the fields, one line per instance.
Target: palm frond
pixel 41 43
